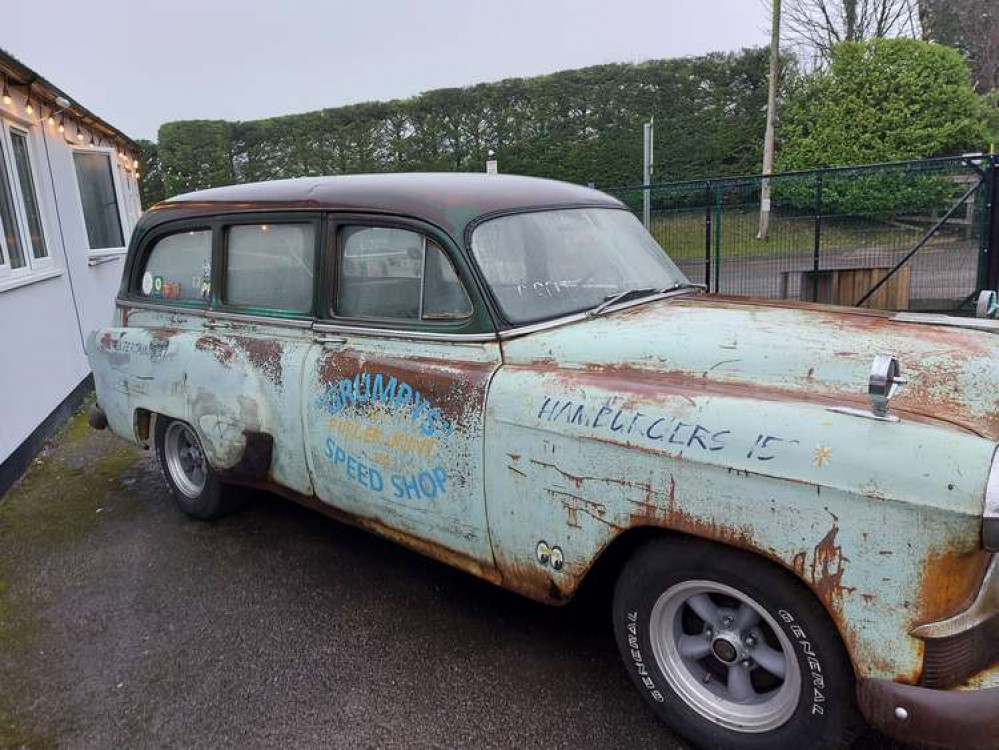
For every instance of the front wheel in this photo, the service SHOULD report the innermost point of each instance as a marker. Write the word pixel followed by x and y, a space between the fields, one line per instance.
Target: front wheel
pixel 732 651
pixel 196 487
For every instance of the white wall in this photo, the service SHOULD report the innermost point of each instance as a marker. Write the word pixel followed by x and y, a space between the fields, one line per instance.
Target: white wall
pixel 44 314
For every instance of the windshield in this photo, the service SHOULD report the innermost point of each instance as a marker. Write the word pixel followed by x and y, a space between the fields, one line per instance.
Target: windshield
pixel 546 264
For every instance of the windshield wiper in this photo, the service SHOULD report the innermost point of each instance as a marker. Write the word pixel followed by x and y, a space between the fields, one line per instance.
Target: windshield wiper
pixel 629 294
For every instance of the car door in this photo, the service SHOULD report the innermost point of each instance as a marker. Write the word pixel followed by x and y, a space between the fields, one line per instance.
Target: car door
pixel 395 388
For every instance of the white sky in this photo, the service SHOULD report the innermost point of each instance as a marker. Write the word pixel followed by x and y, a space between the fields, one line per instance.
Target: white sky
pixel 139 64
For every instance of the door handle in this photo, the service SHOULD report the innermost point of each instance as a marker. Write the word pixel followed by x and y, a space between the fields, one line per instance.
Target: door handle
pixel 330 340
pixel 213 324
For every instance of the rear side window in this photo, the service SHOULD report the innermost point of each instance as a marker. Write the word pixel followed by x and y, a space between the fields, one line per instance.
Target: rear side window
pixel 271 266
pixel 179 267
pixel 397 274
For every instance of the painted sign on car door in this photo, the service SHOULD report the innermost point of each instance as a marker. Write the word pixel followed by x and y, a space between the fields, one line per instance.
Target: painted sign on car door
pixel 394 423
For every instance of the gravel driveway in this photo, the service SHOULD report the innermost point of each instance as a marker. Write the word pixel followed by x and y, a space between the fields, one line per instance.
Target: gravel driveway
pixel 125 624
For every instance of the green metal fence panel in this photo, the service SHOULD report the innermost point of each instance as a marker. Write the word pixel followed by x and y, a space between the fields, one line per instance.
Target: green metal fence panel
pixel 832 223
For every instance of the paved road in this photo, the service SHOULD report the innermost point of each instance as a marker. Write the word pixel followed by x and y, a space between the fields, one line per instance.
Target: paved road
pixel 124 624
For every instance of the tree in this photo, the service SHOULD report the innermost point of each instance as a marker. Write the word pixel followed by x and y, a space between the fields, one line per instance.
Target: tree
pixel 880 101
pixel 885 100
pixel 194 155
pixel 973 27
pixel 576 125
pixel 819 25
pixel 151 174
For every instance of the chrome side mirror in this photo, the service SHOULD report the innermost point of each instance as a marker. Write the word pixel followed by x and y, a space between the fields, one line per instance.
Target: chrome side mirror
pixel 886 378
pixel 988 305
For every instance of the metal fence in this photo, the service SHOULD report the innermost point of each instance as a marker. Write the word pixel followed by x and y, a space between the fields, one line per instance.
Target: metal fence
pixel 907 235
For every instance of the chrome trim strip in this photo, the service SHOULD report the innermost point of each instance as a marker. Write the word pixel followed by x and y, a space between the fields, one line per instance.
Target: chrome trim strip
pixel 852 412
pixel 263 320
pixel 992 489
pixel 544 325
pixel 977 324
pixel 402 334
pixel 198 311
pixel 985 606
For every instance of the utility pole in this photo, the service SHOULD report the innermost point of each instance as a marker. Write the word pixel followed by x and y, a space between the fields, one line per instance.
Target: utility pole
pixel 648 136
pixel 768 139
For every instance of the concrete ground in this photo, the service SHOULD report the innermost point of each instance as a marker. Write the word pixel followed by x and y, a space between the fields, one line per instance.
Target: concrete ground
pixel 125 624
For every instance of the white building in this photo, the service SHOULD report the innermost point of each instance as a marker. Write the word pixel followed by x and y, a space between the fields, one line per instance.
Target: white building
pixel 69 199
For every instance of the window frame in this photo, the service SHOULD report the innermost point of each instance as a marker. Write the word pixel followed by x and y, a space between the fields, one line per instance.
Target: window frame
pixel 222 226
pixel 340 222
pixel 126 227
pixel 149 241
pixel 41 267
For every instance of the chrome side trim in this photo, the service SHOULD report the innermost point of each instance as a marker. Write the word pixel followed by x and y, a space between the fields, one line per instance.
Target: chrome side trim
pixel 977 324
pixel 403 334
pixel 544 325
pixel 985 606
pixel 263 320
pixel 197 311
pixel 992 489
pixel 850 411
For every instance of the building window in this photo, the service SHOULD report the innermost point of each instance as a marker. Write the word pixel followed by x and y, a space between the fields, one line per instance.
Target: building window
pixel 99 199
pixel 22 235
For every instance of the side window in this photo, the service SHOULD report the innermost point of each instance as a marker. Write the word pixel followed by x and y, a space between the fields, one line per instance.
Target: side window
pixel 270 266
pixel 397 274
pixel 179 266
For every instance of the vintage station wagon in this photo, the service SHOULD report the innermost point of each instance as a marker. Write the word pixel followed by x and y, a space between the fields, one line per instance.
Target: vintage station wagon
pixel 508 374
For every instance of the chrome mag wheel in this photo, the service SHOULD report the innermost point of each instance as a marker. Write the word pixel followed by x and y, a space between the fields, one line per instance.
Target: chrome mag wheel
pixel 725 656
pixel 185 459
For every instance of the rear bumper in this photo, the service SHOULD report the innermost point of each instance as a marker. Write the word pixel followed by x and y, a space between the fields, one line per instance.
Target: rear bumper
pixel 919 715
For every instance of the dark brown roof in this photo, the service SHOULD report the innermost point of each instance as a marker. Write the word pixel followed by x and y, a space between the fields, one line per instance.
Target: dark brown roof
pixel 448 199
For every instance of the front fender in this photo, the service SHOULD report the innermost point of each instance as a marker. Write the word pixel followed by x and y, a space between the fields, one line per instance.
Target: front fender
pixel 880 520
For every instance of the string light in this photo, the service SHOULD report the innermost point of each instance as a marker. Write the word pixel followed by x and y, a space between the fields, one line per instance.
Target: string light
pixel 91 144
pixel 29 108
pixel 62 124
pixel 79 134
pixel 6 92
pixel 51 117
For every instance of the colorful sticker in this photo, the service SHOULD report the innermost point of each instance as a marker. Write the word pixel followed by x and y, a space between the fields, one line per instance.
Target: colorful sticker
pixel 147 283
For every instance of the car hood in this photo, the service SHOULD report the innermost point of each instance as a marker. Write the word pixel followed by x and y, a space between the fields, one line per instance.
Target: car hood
pixel 781 351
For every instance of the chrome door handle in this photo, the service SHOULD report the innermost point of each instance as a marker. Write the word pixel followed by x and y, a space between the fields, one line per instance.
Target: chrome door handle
pixel 213 324
pixel 330 340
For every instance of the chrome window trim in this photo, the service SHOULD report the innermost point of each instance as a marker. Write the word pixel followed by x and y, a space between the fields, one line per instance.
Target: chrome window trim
pixel 544 325
pixel 265 320
pixel 403 334
pixel 935 319
pixel 992 489
pixel 199 311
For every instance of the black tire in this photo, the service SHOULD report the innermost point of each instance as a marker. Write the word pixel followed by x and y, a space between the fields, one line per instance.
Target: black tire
pixel 825 713
pixel 215 498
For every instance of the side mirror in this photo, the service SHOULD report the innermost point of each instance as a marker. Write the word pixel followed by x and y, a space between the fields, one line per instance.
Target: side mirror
pixel 988 305
pixel 886 378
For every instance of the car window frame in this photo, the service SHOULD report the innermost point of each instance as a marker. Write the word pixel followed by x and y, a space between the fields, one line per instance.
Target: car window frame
pixel 145 247
pixel 478 322
pixel 220 260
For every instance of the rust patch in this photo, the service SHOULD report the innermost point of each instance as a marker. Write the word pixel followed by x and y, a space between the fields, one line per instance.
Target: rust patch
pixel 827 569
pixel 263 354
pixel 220 349
pixel 949 582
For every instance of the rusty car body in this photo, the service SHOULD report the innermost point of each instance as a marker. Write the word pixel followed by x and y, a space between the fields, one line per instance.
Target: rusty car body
pixel 530 452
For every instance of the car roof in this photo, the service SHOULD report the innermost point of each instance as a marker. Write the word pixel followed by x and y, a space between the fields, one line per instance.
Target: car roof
pixel 448 199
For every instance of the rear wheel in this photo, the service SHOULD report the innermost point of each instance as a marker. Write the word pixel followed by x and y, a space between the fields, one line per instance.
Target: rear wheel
pixel 732 651
pixel 196 486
